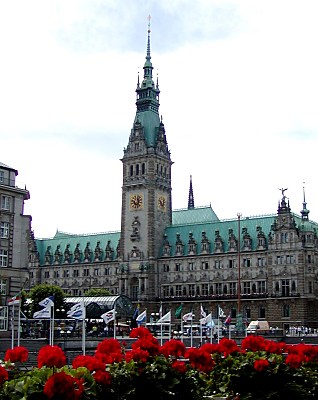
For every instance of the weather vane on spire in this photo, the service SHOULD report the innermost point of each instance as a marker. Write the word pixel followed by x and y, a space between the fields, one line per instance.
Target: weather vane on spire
pixel 283 192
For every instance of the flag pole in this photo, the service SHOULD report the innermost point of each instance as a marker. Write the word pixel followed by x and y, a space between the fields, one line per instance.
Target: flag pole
pixel 169 325
pixel 211 329
pixel 114 321
pixel 84 330
pixel 19 322
pixel 52 325
pixel 182 328
pixel 12 327
pixel 218 324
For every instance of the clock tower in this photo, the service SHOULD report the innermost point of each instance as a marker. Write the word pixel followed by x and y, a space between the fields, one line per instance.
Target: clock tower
pixel 146 191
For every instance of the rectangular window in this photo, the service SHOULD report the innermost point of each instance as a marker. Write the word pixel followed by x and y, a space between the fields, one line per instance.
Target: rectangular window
pixel 96 271
pixel 232 288
pixel 56 274
pixel 3 287
pixel 166 268
pixel 5 203
pixel 205 265
pixel 46 274
pixel 4 230
pixel 310 287
pixel 1 176
pixel 261 286
pixel 178 290
pixel 75 292
pixel 247 287
pixel 178 267
pixel 218 288
pixel 75 273
pixel 246 262
pixel 65 273
pixel 231 263
pixel 217 264
pixel 3 318
pixel 191 266
pixel 285 287
pixel 165 290
pixel 3 258
pixel 191 290
pixel 261 262
pixel 86 272
pixel 204 289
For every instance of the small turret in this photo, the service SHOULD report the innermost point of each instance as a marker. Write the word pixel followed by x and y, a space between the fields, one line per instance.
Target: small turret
pixel 190 198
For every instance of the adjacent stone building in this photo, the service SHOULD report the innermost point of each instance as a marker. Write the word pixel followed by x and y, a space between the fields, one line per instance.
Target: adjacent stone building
pixel 262 267
pixel 15 237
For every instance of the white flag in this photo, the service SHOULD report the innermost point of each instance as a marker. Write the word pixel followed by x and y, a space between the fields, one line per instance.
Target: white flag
pixel 206 320
pixel 165 318
pixel 109 316
pixel 160 311
pixel 188 317
pixel 221 312
pixel 49 301
pixel 77 311
pixel 203 313
pixel 45 313
pixel 142 317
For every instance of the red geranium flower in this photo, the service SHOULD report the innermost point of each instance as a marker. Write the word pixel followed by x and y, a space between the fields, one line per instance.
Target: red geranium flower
pixel 102 377
pixel 228 346
pixel 3 375
pixel 294 360
pixel 17 354
pixel 137 355
pixel 253 343
pixel 173 348
pixel 63 387
pixel 51 356
pixel 140 332
pixel 180 366
pixel 210 347
pixel 200 359
pixel 149 344
pixel 261 364
pixel 90 362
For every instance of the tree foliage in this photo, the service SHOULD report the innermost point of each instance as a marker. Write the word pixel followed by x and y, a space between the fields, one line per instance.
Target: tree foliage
pixel 97 292
pixel 40 292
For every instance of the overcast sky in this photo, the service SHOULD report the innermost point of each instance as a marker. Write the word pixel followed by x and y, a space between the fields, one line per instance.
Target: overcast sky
pixel 239 97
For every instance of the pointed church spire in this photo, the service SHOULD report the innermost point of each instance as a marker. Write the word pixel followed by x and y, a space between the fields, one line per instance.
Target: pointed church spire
pixel 148 99
pixel 304 212
pixel 191 198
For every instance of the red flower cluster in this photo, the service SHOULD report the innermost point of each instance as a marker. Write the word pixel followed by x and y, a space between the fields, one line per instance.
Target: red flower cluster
pixel 174 348
pixel 137 355
pixel 102 377
pixel 227 347
pixel 63 387
pixel 109 351
pixel 3 375
pixel 89 362
pixel 258 343
pixel 180 366
pixel 140 333
pixel 17 354
pixel 261 364
pixel 301 353
pixel 200 359
pixel 51 356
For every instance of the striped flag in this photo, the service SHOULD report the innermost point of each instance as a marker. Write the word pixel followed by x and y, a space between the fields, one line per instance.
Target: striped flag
pixel 14 300
pixel 44 313
pixel 48 301
pixel 165 318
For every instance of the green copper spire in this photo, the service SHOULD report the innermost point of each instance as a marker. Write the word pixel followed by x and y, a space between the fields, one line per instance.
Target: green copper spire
pixel 148 100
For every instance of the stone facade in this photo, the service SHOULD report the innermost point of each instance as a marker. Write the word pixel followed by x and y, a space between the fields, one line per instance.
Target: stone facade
pixel 263 267
pixel 15 238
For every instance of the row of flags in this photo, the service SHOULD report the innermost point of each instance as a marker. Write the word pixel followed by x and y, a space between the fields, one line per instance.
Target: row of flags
pixel 77 311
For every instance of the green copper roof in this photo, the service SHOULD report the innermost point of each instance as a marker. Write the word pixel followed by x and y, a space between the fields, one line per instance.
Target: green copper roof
pixel 193 215
pixel 62 240
pixel 150 121
pixel 223 227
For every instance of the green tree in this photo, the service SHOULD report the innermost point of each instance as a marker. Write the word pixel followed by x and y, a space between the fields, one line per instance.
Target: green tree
pixel 41 292
pixel 97 292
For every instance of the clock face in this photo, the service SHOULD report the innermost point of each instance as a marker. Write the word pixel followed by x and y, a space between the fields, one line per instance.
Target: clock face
pixel 162 203
pixel 136 201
